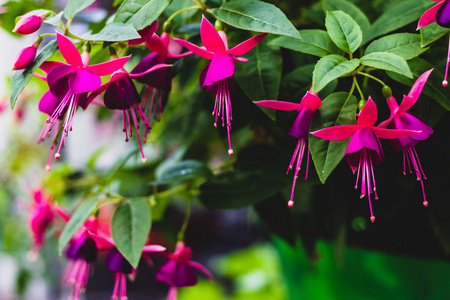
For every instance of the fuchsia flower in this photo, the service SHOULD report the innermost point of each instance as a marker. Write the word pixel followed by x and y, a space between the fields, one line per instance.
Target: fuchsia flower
pixel 179 270
pixel 439 13
pixel 69 84
pixel 25 57
pixel 145 34
pixel 364 150
pixel 217 77
pixel 40 218
pixel 300 129
pixel 29 24
pixel 400 119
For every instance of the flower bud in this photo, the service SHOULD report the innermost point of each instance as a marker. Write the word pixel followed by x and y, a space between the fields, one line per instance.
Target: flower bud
pixel 361 104
pixel 387 92
pixel 29 24
pixel 25 57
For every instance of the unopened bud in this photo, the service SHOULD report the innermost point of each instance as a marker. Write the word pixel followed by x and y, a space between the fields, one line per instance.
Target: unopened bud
pixel 25 57
pixel 387 92
pixel 218 25
pixel 167 27
pixel 361 104
pixel 29 24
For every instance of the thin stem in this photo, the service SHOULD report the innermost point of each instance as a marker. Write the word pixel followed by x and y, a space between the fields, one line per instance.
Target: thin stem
pixel 71 35
pixel 371 77
pixel 352 89
pixel 200 4
pixel 183 10
pixel 357 87
pixel 180 236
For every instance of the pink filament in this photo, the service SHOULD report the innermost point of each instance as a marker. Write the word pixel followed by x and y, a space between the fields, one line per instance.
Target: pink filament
pixel 120 287
pixel 367 178
pixel 127 125
pixel 298 154
pixel 445 82
pixel 413 159
pixel 76 277
pixel 222 108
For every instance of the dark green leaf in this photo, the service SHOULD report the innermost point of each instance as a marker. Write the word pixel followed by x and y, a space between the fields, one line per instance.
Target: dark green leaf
pixel 351 10
pixel 432 33
pixel 75 6
pixel 314 41
pixel 55 20
pixel 20 78
pixel 405 45
pixel 256 16
pixel 387 61
pixel 337 109
pixel 260 77
pixel 397 15
pixel 331 67
pixel 130 227
pixel 183 170
pixel 76 221
pixel 343 31
pixel 114 32
pixel 140 13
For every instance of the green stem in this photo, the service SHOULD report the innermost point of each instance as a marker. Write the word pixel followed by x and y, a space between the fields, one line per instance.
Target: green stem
pixel 180 236
pixel 71 35
pixel 200 4
pixel 352 89
pixel 183 10
pixel 371 77
pixel 48 34
pixel 358 88
pixel 170 192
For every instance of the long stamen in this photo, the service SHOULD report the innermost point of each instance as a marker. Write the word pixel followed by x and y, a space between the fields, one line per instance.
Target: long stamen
pixel 136 126
pixel 373 177
pixel 123 287
pixel 363 177
pixel 445 82
pixel 115 294
pixel 298 153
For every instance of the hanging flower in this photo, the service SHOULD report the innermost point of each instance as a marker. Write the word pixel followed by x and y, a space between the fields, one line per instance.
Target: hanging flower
pixel 400 119
pixel 217 76
pixel 300 129
pixel 364 150
pixel 40 218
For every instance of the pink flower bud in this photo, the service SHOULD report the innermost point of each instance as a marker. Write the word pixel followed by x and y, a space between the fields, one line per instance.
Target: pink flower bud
pixel 29 24
pixel 25 57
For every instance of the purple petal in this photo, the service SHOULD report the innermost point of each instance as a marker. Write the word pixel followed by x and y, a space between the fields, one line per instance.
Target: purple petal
pixel 279 105
pixel 160 78
pixel 83 81
pixel 202 269
pixel 69 51
pixel 247 45
pixel 117 263
pixel 364 138
pixel 214 87
pixel 108 67
pixel 82 247
pixel 121 94
pixel 177 274
pixel 443 14
pixel 300 128
pixel 58 80
pixel 211 38
pixel 48 103
pixel 221 67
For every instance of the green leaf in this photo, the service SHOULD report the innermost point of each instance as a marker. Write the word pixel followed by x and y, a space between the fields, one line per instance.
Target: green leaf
pixel 140 13
pixel 405 45
pixel 343 31
pixel 387 61
pixel 314 42
pixel 114 32
pixel 337 109
pixel 331 67
pixel 55 20
pixel 256 16
pixel 76 221
pixel 260 77
pixel 397 15
pixel 183 170
pixel 75 6
pixel 350 9
pixel 130 227
pixel 20 78
pixel 432 33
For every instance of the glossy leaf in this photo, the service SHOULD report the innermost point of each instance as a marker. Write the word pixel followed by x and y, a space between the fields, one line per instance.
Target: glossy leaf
pixel 350 9
pixel 405 45
pixel 432 33
pixel 337 109
pixel 183 170
pixel 54 20
pixel 76 221
pixel 140 13
pixel 331 67
pixel 387 61
pixel 260 77
pixel 20 78
pixel 256 16
pixel 343 31
pixel 75 6
pixel 314 42
pixel 130 227
pixel 114 32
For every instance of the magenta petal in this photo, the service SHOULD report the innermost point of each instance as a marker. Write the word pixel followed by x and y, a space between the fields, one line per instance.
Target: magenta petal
pixel 69 51
pixel 200 51
pixel 57 80
pixel 48 65
pixel 121 94
pixel 145 34
pixel 300 128
pixel 102 242
pixel 154 248
pixel 368 139
pixel 83 81
pixel 108 67
pixel 364 138
pixel 311 101
pixel 202 269
pixel 48 103
pixel 221 67
pixel 247 45
pixel 214 87
pixel 177 274
pixel 336 133
pixel 429 16
pixel 155 43
pixel 279 105
pixel 392 133
pixel 172 294
pixel 153 71
pixel 368 115
pixel 408 121
pixel 211 38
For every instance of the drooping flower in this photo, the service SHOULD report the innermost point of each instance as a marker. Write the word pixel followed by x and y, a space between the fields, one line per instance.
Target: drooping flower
pixel 364 150
pixel 25 57
pixel 300 129
pixel 40 218
pixel 29 24
pixel 179 270
pixel 69 83
pixel 217 76
pixel 439 13
pixel 145 34
pixel 400 119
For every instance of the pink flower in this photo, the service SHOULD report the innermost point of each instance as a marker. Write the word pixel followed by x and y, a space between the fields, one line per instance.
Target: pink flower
pixel 300 129
pixel 179 270
pixel 400 119
pixel 145 34
pixel 217 77
pixel 25 57
pixel 364 150
pixel 29 24
pixel 439 13
pixel 40 218
pixel 69 84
